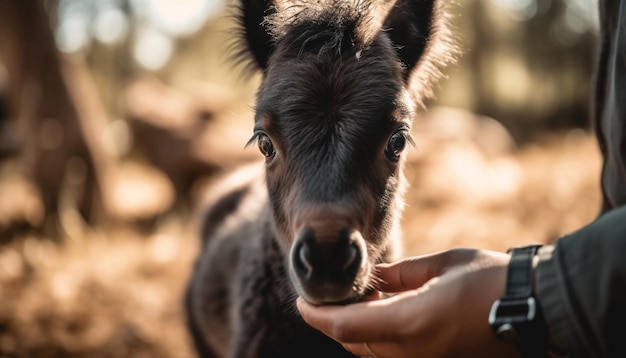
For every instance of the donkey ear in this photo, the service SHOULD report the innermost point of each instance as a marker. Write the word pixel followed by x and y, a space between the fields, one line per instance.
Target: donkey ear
pixel 256 34
pixel 410 24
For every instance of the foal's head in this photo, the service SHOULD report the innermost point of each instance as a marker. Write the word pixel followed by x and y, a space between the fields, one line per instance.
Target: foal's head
pixel 333 119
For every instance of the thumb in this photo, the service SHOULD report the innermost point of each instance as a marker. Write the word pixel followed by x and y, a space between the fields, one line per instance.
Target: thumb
pixel 414 272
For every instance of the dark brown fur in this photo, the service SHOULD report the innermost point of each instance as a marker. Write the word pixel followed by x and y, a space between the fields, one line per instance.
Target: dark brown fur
pixel 335 101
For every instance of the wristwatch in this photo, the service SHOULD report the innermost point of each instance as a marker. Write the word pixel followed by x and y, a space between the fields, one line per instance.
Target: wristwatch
pixel 517 317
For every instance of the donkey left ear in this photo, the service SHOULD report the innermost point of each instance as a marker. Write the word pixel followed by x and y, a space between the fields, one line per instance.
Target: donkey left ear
pixel 410 25
pixel 256 34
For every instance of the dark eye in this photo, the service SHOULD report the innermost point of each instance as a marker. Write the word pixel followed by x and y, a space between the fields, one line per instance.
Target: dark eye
pixel 396 145
pixel 265 146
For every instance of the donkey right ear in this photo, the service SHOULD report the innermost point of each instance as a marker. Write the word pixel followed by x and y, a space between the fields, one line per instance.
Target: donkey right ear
pixel 419 31
pixel 257 36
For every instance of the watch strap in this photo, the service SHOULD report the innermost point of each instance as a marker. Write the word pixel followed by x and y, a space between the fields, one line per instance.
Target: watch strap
pixel 519 276
pixel 517 317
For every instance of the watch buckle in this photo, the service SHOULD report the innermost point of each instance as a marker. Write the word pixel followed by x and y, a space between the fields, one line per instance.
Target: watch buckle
pixel 506 314
pixel 516 310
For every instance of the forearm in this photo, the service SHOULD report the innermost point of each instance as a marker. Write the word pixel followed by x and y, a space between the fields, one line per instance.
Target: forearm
pixel 581 287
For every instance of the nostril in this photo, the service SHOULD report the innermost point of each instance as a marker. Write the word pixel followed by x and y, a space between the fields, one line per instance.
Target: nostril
pixel 302 259
pixel 352 260
pixel 351 253
pixel 304 255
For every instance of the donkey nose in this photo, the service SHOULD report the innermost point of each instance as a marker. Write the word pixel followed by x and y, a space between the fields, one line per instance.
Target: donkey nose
pixel 323 264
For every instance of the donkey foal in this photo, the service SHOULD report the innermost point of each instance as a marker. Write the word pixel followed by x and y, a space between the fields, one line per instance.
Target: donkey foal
pixel 333 118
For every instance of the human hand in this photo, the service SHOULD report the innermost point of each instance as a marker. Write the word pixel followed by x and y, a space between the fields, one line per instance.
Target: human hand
pixel 441 310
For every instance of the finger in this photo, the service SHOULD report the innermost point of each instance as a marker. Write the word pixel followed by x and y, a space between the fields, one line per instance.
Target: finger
pixel 358 322
pixel 413 272
pixel 358 349
pixel 408 274
pixel 380 350
pixel 355 348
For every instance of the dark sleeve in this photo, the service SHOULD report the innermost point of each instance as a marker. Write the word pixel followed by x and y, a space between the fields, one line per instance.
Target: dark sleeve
pixel 581 286
pixel 609 115
pixel 581 280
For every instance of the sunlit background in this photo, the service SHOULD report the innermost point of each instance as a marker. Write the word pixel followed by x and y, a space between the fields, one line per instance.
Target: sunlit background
pixel 115 116
pixel 526 62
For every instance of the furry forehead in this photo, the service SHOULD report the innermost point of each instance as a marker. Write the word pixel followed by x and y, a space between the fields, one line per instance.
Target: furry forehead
pixel 359 19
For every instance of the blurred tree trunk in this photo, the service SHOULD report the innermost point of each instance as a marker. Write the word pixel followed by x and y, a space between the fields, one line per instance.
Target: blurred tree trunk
pixel 556 77
pixel 56 144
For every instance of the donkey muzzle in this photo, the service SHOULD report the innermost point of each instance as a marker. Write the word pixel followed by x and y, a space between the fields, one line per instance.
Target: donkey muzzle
pixel 326 267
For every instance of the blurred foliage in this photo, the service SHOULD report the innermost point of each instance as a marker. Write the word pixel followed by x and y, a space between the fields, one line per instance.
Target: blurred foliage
pixel 171 93
pixel 526 63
